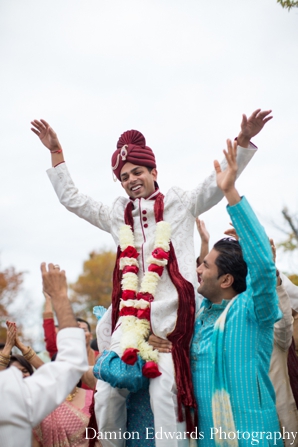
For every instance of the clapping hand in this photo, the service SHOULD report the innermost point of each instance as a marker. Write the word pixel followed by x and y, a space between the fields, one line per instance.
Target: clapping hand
pixel 11 335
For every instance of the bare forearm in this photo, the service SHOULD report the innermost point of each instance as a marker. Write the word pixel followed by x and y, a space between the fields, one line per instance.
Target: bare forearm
pixel 204 250
pixel 232 196
pixel 48 304
pixel 4 360
pixel 88 378
pixel 29 354
pixel 6 350
pixel 64 312
pixel 32 357
pixel 57 158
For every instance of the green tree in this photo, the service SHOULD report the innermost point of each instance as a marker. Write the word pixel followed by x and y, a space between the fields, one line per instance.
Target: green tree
pixel 94 286
pixel 288 4
pixel 294 279
pixel 291 242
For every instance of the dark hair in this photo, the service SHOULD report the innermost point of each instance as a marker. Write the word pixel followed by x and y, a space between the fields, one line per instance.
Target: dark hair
pixel 94 345
pixel 22 361
pixel 230 260
pixel 80 320
pixel 150 170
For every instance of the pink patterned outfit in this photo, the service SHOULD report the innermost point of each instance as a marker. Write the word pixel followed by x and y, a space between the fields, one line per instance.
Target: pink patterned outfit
pixel 65 426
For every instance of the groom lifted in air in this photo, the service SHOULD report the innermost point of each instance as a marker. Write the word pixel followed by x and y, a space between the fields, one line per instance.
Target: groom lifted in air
pixel 154 276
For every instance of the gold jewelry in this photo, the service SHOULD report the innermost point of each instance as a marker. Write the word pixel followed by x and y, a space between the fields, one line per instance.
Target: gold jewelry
pixel 56 266
pixel 72 395
pixel 4 355
pixel 4 362
pixel 29 354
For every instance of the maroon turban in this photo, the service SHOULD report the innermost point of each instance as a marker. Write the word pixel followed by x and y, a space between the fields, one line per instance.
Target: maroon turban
pixel 131 148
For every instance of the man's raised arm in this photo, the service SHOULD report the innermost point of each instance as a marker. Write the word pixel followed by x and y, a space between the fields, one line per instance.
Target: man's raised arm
pixel 207 194
pixel 49 139
pixel 226 179
pixel 55 380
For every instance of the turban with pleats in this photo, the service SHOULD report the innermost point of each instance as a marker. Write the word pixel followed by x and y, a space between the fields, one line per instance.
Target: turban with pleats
pixel 131 148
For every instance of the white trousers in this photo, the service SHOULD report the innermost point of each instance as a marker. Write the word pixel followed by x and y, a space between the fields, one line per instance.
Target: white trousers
pixel 110 406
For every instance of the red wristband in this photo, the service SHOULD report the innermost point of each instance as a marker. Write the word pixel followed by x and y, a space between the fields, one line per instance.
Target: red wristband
pixel 56 152
pixel 59 163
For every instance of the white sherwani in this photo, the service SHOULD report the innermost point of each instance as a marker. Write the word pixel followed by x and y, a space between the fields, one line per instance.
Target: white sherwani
pixel 180 210
pixel 26 402
pixel 283 331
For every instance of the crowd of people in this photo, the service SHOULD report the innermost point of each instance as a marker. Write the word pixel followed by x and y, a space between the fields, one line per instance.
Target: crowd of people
pixel 171 367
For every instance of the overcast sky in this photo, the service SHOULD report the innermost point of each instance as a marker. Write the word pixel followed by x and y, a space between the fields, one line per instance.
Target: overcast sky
pixel 181 72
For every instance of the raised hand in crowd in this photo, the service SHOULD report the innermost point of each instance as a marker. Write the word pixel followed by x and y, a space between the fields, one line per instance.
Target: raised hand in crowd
pixel 28 353
pixel 205 237
pixel 251 126
pixel 49 139
pixel 55 285
pixel 226 179
pixel 9 344
pixel 13 340
pixel 46 134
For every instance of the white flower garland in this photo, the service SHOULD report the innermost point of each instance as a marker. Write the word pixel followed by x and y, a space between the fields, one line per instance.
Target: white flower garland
pixel 136 330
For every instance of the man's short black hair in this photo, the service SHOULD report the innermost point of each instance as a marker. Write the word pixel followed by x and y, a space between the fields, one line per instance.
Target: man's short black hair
pixel 230 260
pixel 84 321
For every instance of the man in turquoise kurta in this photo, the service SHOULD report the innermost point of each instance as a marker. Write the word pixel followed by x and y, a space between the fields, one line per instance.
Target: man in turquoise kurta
pixel 233 338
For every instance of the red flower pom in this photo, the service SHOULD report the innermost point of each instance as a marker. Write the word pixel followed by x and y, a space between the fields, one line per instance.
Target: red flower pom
pixel 144 314
pixel 156 269
pixel 150 370
pixel 145 296
pixel 129 252
pixel 128 311
pixel 130 356
pixel 159 253
pixel 128 295
pixel 130 269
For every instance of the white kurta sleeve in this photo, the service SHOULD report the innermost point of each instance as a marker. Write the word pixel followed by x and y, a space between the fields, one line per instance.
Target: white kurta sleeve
pixel 207 194
pixel 292 291
pixel 283 329
pixel 48 387
pixel 83 206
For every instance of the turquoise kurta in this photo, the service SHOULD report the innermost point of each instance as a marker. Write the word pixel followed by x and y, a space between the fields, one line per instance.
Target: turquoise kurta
pixel 248 342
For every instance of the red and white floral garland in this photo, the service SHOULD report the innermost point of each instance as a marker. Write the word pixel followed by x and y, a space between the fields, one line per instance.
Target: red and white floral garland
pixel 134 309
